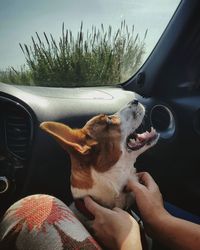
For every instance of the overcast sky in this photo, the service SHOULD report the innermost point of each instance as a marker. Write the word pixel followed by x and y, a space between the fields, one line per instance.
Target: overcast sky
pixel 20 19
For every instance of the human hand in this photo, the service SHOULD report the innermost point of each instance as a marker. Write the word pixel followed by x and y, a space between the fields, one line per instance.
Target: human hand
pixel 148 198
pixel 115 229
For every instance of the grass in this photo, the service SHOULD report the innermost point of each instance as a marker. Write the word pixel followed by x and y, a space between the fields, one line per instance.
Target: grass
pixel 97 57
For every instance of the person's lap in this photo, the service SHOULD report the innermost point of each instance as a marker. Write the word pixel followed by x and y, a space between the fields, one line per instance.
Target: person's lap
pixel 43 222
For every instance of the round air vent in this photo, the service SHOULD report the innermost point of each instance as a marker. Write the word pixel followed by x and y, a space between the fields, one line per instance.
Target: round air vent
pixel 163 121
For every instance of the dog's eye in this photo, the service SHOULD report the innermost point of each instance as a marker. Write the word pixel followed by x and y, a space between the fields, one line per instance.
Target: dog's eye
pixel 109 120
pixel 113 120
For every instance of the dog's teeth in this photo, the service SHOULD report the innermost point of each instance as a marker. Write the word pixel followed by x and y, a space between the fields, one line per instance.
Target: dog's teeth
pixel 152 130
pixel 132 140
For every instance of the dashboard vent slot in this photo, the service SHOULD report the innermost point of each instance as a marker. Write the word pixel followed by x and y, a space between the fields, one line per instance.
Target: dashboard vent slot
pixel 18 130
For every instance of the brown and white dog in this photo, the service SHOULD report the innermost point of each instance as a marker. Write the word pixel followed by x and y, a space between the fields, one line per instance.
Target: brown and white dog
pixel 103 153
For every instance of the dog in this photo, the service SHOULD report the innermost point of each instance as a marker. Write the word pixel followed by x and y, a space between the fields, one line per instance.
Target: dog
pixel 103 154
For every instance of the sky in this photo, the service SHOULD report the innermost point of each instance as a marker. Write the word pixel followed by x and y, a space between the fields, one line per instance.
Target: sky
pixel 20 19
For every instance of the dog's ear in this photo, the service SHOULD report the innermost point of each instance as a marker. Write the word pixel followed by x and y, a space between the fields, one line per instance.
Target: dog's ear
pixel 70 139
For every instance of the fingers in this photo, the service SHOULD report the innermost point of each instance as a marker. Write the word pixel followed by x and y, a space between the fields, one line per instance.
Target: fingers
pixel 93 207
pixel 143 175
pixel 146 179
pixel 134 186
pixel 117 209
pixel 121 212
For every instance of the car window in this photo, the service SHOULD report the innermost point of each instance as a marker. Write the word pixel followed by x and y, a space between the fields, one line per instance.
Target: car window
pixel 78 43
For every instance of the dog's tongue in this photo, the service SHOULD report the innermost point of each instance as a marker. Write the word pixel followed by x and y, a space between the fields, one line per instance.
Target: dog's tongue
pixel 146 135
pixel 140 140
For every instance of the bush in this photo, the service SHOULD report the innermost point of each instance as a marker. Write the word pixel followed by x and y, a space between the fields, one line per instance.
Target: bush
pixel 99 57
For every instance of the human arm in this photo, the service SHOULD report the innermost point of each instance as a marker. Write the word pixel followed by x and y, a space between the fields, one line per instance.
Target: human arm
pixel 116 229
pixel 171 231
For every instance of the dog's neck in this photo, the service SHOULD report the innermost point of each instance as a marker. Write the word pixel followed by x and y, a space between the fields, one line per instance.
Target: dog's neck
pixel 107 187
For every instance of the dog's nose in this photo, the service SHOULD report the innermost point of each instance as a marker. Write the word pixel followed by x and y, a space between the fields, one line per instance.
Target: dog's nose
pixel 134 102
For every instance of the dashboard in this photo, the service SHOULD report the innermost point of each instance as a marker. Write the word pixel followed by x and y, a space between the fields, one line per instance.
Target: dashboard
pixel 16 135
pixel 32 162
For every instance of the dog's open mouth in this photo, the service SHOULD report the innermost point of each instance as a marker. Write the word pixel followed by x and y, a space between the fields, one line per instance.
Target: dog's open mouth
pixel 136 140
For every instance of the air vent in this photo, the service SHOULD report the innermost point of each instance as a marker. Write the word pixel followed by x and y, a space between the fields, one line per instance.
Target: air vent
pixel 163 121
pixel 18 130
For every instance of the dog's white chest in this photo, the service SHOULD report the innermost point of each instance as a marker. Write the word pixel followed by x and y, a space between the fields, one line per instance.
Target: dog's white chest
pixel 108 186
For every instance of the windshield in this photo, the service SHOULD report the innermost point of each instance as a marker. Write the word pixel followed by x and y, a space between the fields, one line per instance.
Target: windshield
pixel 78 43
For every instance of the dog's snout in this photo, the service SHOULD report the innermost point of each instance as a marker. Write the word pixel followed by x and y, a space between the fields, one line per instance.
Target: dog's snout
pixel 134 102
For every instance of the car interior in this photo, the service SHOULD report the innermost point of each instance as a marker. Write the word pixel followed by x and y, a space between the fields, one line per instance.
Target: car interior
pixel 168 85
